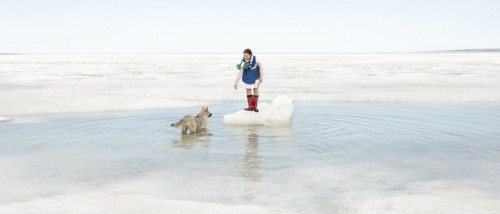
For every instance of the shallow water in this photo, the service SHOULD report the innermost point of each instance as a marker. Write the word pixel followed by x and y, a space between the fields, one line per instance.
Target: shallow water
pixel 333 158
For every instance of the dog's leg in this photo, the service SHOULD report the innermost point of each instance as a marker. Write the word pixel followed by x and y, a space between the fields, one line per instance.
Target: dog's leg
pixel 192 129
pixel 184 129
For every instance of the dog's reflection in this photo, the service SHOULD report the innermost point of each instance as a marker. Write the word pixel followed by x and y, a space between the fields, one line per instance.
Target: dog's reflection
pixel 188 141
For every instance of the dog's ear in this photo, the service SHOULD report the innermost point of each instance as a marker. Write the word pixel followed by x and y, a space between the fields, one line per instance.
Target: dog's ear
pixel 205 107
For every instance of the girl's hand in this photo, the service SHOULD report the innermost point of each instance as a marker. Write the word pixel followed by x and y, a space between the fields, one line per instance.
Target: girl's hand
pixel 235 86
pixel 261 80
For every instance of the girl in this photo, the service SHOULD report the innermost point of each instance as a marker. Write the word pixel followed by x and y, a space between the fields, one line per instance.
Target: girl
pixel 251 76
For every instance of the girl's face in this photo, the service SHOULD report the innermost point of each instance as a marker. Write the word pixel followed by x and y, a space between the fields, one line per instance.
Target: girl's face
pixel 247 56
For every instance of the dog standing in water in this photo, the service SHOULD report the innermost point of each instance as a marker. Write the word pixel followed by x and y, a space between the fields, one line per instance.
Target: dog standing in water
pixel 194 123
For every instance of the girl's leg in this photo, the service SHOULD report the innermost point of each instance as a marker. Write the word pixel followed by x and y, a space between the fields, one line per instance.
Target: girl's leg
pixel 249 100
pixel 255 99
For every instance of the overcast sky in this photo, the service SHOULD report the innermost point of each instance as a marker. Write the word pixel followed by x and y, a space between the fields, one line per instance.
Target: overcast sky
pixel 150 26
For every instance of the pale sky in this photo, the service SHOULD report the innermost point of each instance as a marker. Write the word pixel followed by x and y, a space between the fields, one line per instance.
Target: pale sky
pixel 153 26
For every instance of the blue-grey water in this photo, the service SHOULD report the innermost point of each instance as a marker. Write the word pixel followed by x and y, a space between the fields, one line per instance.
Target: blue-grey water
pixel 333 158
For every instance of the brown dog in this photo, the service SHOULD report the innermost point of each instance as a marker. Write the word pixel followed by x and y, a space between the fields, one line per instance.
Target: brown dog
pixel 194 123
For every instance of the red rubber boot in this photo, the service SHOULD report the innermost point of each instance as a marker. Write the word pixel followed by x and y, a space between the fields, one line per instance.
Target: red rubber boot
pixel 250 103
pixel 255 101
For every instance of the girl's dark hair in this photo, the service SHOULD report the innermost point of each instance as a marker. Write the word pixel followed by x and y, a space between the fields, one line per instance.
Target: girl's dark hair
pixel 248 51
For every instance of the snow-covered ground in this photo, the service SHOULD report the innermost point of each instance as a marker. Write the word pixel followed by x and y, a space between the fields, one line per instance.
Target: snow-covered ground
pixel 369 159
pixel 4 119
pixel 41 84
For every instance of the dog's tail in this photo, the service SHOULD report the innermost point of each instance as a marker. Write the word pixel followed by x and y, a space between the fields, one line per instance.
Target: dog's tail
pixel 176 125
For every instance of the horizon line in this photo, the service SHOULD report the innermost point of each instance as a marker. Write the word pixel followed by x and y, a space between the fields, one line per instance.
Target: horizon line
pixel 224 52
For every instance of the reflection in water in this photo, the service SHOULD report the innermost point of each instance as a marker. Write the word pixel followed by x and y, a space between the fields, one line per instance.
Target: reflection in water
pixel 188 141
pixel 251 168
pixel 251 171
pixel 345 158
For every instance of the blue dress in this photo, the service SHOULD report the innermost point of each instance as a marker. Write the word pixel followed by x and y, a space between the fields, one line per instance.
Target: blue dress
pixel 252 73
